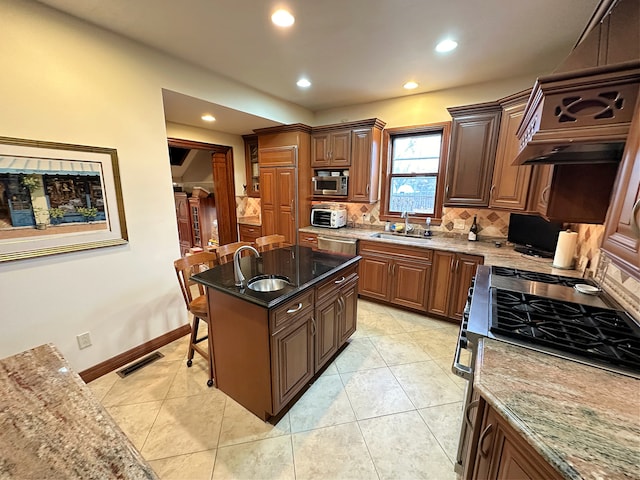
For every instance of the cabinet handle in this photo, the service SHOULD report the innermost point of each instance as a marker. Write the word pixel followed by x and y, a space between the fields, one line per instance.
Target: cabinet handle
pixel 544 195
pixel 313 323
pixel 457 265
pixel 467 410
pixel 635 228
pixel 368 188
pixel 451 265
pixel 446 191
pixel 338 282
pixel 483 436
pixel 389 269
pixel 493 187
pixel 294 310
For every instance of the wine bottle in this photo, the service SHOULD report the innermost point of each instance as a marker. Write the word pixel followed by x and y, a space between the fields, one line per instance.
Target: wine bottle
pixel 473 231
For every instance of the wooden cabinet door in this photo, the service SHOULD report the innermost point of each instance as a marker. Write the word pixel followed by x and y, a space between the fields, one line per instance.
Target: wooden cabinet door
pixel 622 234
pixel 365 165
pixel 326 331
pixel 409 283
pixel 510 185
pixel 286 204
pixel 442 278
pixel 291 359
pixel 184 222
pixel 541 186
pixel 268 200
pixel 341 149
pixel 471 158
pixel 320 150
pixel 349 311
pixel 466 266
pixel 374 272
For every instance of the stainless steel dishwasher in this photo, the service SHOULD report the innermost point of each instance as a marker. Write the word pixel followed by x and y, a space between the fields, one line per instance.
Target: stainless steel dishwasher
pixel 338 245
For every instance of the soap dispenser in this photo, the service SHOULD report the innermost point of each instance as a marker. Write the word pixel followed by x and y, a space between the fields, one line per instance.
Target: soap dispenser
pixel 427 232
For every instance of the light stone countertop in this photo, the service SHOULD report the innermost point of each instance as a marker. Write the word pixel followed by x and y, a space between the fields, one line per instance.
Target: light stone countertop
pixel 583 420
pixel 504 256
pixel 254 221
pixel 51 425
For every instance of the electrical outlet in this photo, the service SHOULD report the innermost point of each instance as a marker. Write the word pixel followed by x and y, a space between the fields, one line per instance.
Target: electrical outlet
pixel 84 340
pixel 459 224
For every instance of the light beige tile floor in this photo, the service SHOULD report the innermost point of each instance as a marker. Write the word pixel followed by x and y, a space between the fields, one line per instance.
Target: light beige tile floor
pixel 387 408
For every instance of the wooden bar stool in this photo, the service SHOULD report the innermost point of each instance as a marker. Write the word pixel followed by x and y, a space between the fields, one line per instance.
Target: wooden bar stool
pixel 197 304
pixel 269 242
pixel 225 252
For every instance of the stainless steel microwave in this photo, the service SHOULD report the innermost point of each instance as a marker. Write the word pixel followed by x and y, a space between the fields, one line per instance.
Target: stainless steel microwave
pixel 331 185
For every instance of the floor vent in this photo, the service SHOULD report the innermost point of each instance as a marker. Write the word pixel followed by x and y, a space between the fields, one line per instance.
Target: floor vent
pixel 143 362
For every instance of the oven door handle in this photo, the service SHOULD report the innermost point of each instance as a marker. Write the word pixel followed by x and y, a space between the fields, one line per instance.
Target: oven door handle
pixel 458 368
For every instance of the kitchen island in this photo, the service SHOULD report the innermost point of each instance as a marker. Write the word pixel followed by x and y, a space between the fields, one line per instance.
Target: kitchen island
pixel 268 346
pixel 51 425
pixel 552 418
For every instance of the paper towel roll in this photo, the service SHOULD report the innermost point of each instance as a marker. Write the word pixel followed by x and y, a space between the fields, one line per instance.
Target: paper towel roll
pixel 565 249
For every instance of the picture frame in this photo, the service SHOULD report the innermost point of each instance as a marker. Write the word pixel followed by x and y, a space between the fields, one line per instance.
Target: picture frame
pixel 58 198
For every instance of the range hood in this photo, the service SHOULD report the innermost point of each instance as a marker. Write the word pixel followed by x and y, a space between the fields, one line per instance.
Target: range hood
pixel 582 112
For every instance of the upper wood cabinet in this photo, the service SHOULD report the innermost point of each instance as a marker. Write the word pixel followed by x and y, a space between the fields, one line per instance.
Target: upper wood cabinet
pixel 573 193
pixel 510 185
pixel 364 178
pixel 474 136
pixel 251 164
pixel 331 148
pixel 621 237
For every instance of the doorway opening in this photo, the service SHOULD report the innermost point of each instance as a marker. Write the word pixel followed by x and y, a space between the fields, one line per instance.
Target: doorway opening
pixel 223 195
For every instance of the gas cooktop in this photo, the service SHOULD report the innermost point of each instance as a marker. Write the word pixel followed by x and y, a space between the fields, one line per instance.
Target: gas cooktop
pixel 602 336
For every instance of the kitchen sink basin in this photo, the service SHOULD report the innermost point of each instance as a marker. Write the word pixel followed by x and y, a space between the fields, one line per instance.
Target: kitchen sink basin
pixel 400 237
pixel 268 283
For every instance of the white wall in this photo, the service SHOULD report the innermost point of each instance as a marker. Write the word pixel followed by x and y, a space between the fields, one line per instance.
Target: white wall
pixel 66 81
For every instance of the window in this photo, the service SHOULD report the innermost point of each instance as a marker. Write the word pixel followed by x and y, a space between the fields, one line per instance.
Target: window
pixel 414 161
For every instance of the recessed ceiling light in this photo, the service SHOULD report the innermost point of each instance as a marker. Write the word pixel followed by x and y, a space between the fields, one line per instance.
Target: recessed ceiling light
pixel 208 118
pixel 303 83
pixel 282 18
pixel 410 85
pixel 446 45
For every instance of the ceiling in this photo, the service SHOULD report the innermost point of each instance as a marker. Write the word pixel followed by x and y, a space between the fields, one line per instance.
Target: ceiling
pixel 353 51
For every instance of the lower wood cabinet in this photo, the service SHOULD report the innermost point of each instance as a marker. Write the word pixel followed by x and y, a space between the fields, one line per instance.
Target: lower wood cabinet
pixel 335 314
pixel 450 279
pixel 249 233
pixel 500 453
pixel 308 240
pixel 292 340
pixel 263 358
pixel 398 275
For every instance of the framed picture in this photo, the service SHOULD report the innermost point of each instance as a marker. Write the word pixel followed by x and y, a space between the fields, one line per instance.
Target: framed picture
pixel 58 198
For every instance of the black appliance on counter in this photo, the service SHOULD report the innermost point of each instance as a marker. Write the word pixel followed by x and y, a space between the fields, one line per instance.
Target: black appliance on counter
pixel 533 235
pixel 546 313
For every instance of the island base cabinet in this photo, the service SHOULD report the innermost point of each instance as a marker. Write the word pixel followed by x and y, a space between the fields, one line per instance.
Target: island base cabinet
pixel 500 453
pixel 292 358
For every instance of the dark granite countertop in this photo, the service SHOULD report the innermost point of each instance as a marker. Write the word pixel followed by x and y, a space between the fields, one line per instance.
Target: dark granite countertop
pixel 301 265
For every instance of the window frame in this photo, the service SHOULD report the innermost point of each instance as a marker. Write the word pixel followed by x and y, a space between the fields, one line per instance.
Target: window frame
pixel 387 146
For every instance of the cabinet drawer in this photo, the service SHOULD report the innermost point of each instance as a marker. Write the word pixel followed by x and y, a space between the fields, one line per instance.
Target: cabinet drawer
pixel 282 316
pixel 249 233
pixel 380 248
pixel 308 240
pixel 335 282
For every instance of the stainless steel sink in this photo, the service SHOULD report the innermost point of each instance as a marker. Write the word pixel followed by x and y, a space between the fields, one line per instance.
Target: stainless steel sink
pixel 268 283
pixel 399 237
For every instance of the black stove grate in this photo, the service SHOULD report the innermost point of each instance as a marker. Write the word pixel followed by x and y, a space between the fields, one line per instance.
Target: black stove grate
pixel 538 277
pixel 596 335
